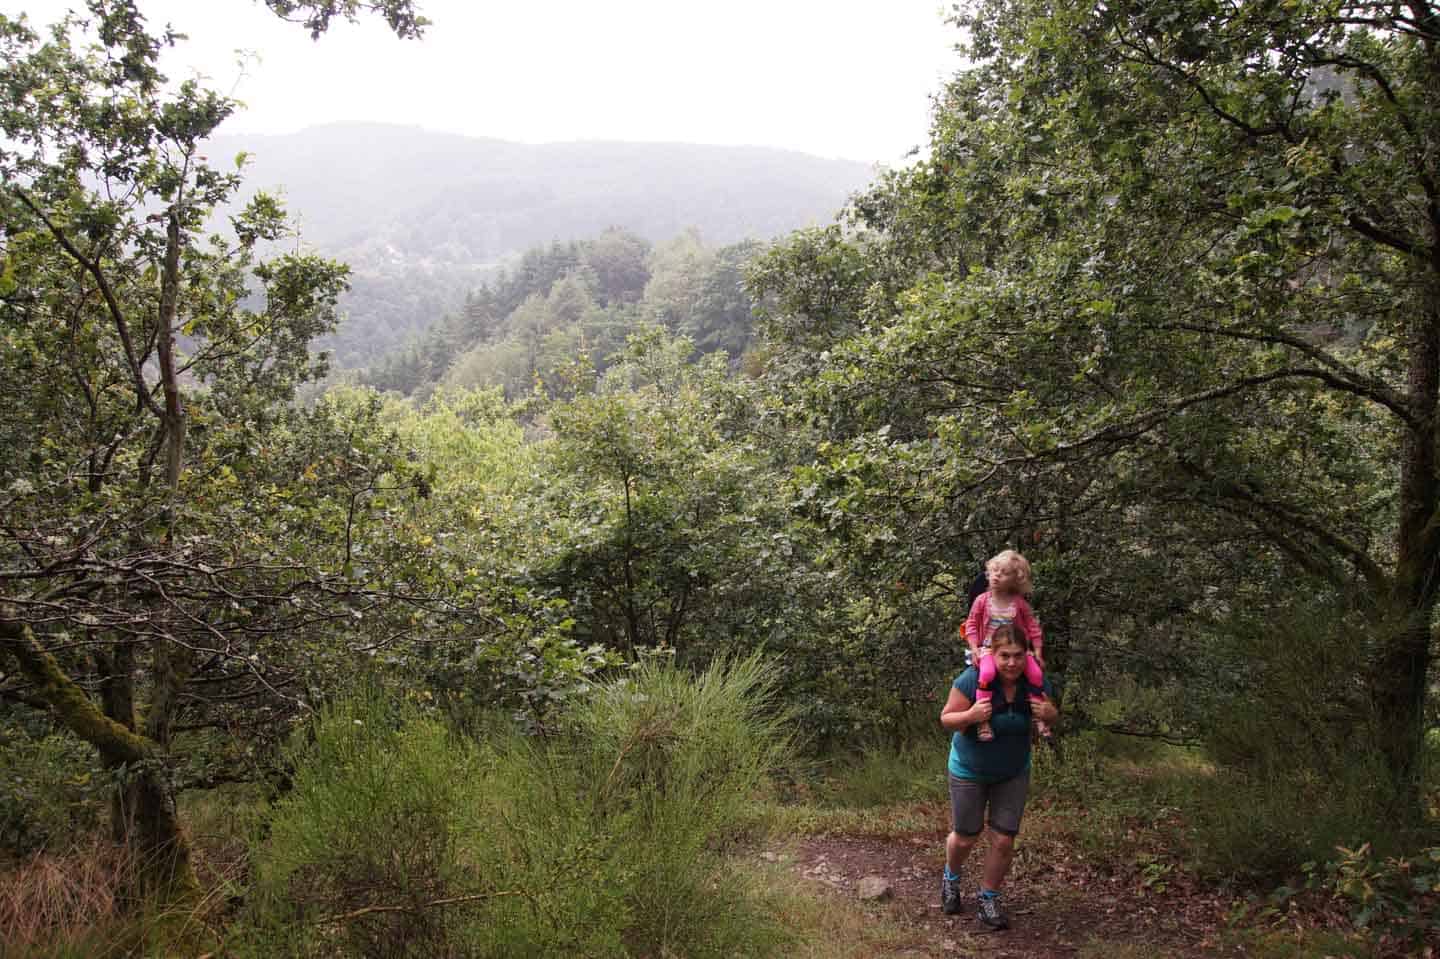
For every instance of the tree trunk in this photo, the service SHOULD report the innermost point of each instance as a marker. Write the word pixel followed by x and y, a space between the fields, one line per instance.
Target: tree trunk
pixel 147 817
pixel 1403 661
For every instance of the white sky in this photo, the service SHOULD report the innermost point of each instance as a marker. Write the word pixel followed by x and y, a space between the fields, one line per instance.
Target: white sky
pixel 836 78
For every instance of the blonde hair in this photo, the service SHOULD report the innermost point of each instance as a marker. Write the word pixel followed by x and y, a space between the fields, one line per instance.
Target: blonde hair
pixel 1011 558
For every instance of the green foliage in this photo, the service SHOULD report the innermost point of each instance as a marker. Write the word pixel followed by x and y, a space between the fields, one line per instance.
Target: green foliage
pixel 1295 730
pixel 1397 895
pixel 635 809
pixel 51 792
pixel 1155 309
pixel 368 823
pixel 316 15
pixel 606 838
pixel 884 775
pixel 579 302
pixel 178 538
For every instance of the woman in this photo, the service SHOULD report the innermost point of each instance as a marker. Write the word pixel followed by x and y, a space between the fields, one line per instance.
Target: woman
pixel 994 773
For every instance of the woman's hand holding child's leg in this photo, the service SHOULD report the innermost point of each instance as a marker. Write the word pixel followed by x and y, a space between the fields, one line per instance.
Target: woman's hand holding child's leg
pixel 987 677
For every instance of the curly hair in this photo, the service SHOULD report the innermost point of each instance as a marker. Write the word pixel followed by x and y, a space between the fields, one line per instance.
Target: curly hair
pixel 1021 565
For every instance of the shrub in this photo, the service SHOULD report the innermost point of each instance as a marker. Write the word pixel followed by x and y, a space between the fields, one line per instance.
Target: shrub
pixel 362 851
pixel 675 760
pixel 401 837
pixel 1398 896
pixel 50 793
pixel 1297 732
pixel 610 835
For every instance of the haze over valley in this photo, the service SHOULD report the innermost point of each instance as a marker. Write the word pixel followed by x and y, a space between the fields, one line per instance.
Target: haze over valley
pixel 424 218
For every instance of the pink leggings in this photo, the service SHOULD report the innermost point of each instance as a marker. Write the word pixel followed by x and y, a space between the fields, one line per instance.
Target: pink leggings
pixel 1033 675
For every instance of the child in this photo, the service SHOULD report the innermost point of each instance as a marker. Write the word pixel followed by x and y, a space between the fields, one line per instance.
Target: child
pixel 1008 575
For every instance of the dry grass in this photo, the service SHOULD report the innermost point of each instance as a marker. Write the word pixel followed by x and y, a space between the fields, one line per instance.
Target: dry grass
pixel 57 900
pixel 75 903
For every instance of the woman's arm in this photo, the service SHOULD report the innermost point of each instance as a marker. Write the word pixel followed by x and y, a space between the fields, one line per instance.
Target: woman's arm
pixel 959 712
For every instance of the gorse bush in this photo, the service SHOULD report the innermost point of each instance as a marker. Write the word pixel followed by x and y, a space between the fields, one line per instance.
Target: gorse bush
pixel 362 849
pixel 676 760
pixel 611 834
pixel 401 837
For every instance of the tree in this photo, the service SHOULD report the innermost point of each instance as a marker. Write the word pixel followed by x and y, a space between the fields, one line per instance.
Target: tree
pixel 669 532
pixel 618 259
pixel 317 14
pixel 720 317
pixel 1169 268
pixel 152 558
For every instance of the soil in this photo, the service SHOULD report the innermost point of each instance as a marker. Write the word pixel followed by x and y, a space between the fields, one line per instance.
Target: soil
pixel 1056 910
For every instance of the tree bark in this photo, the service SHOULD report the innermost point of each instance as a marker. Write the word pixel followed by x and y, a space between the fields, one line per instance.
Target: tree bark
pixel 1403 664
pixel 151 827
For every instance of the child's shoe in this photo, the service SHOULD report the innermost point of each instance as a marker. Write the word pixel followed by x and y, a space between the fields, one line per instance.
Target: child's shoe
pixel 984 733
pixel 1043 728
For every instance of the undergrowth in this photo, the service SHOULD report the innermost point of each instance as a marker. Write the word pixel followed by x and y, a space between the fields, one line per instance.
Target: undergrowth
pixel 402 837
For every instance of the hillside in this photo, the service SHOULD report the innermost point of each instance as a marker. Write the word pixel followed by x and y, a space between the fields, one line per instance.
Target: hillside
pixel 424 217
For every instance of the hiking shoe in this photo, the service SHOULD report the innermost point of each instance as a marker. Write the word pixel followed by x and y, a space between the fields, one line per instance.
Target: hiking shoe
pixel 950 903
pixel 991 915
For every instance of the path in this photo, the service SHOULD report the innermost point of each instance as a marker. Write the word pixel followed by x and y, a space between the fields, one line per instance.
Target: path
pixel 1055 911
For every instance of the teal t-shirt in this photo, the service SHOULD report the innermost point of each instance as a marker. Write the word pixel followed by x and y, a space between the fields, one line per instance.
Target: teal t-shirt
pixel 1008 754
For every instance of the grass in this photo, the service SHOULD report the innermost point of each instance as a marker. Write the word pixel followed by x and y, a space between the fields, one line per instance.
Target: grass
pixel 821 926
pixel 70 904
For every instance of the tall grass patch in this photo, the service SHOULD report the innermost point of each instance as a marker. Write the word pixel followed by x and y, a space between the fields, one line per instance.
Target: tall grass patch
pixel 607 837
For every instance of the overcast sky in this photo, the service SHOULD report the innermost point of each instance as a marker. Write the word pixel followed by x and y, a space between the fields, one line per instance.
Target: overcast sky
pixel 836 78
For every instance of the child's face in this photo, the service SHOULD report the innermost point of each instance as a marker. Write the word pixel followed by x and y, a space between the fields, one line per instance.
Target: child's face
pixel 1005 579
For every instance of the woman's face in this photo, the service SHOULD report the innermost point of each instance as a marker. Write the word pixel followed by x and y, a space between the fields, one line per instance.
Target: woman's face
pixel 1009 660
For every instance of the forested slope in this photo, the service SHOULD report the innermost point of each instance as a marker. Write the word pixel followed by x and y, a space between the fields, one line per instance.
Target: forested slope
pixel 423 218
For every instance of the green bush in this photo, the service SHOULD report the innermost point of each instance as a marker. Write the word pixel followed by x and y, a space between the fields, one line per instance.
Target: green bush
pixel 612 835
pixel 401 837
pixel 49 793
pixel 363 847
pixel 681 759
pixel 1396 895
pixel 1300 772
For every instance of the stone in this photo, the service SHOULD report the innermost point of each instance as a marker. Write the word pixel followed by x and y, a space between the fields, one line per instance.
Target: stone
pixel 875 888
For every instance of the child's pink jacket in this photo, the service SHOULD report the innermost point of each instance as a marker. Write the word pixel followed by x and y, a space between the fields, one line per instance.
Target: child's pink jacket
pixel 979 618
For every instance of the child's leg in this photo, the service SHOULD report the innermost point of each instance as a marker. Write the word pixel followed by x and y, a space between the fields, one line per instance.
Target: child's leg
pixel 987 676
pixel 982 692
pixel 1035 676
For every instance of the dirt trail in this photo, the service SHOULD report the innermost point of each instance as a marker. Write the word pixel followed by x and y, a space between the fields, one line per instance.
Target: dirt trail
pixel 1055 911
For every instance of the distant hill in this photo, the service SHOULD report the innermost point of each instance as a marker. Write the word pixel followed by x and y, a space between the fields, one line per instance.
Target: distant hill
pixel 424 217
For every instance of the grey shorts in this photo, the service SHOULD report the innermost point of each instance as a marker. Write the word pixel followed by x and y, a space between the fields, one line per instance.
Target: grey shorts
pixel 1005 799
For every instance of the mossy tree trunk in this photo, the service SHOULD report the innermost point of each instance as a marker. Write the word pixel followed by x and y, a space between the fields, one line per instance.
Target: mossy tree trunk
pixel 145 815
